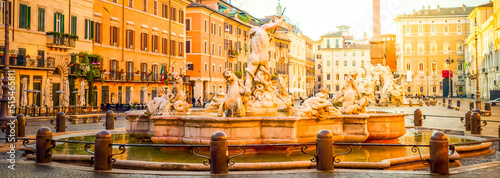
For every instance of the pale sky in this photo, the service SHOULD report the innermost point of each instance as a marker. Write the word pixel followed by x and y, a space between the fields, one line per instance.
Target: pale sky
pixel 316 17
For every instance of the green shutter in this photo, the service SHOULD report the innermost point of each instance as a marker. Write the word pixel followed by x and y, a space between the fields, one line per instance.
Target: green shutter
pixel 29 17
pixel 55 21
pixel 73 25
pixel 62 24
pixel 86 29
pixel 22 14
pixel 91 29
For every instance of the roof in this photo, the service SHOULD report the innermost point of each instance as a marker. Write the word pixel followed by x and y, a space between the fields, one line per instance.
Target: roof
pixel 490 4
pixel 194 4
pixel 448 11
pixel 333 34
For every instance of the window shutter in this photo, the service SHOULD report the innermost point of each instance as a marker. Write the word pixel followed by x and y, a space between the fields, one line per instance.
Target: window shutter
pixel 21 16
pixel 29 18
pixel 62 24
pixel 86 29
pixel 55 21
pixel 91 29
pixel 111 35
pixel 117 32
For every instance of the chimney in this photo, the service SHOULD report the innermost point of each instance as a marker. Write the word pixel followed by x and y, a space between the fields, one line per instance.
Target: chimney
pixel 464 7
pixel 428 6
pixel 376 18
pixel 439 9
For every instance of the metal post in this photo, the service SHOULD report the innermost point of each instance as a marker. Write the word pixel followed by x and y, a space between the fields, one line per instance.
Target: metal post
pixel 468 115
pixel 21 125
pixel 61 122
pixel 324 150
pixel 498 146
pixel 444 101
pixel 417 118
pixel 439 153
pixel 103 150
pixel 475 123
pixel 110 120
pixel 5 88
pixel 458 104
pixel 218 153
pixel 478 101
pixel 471 106
pixel 43 147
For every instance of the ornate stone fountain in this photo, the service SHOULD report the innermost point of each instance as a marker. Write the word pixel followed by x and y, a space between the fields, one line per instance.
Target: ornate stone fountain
pixel 248 112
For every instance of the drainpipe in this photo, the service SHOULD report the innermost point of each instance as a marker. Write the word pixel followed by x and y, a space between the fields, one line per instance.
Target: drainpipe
pixel 13 16
pixel 123 32
pixel 69 17
pixel 170 34
pixel 210 51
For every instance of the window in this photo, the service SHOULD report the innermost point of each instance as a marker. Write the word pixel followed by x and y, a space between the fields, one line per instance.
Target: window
pixel 362 53
pixel 446 30
pixel 205 25
pixel 408 90
pixel 206 48
pixel 336 43
pixel 446 47
pixel 58 22
pixel 155 72
pixel 188 46
pixel 113 68
pixel 164 10
pixel 421 66
pixel 434 67
pixel 407 31
pixel 327 76
pixel 154 43
pixel 144 72
pixel 433 48
pixel 213 49
pixel 408 67
pixel 459 48
pixel 144 42
pixel 345 63
pixel 130 70
pixel 459 29
pixel 420 30
pixel 181 49
pixel 73 25
pixel 164 44
pixel 145 5
pixel 220 68
pixel 206 67
pixel 353 63
pixel 434 89
pixel 353 53
pixel 327 43
pixel 155 7
pixel 172 47
pixel 89 29
pixel 113 36
pixel 460 66
pixel 188 24
pixel 97 38
pixel 327 63
pixel 131 3
pixel 433 30
pixel 408 49
pixel 130 39
pixel 181 16
pixel 24 16
pixel 420 48
pixel 421 89
pixel 336 63
pixel 337 87
pixel 41 19
pixel 173 15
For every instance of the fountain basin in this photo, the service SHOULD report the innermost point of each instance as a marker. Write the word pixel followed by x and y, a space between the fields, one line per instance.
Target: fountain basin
pixel 198 129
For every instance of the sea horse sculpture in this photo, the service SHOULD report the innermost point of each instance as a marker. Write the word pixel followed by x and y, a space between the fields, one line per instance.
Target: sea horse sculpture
pixel 233 102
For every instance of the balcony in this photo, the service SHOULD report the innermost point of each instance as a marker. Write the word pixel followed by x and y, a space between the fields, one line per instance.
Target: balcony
pixel 232 53
pixel 61 40
pixel 23 61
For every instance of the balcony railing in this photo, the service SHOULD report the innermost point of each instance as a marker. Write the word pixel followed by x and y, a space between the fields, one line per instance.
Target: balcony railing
pixel 55 39
pixel 29 62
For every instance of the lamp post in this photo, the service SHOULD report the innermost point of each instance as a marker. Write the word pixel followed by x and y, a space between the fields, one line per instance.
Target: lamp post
pixel 478 101
pixel 449 61
pixel 5 88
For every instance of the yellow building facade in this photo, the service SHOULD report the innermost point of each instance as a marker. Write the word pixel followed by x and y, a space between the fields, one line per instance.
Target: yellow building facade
pixel 425 39
pixel 136 40
pixel 42 36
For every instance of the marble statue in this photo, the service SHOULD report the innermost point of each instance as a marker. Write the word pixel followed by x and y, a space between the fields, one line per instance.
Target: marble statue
pixel 232 105
pixel 216 100
pixel 323 93
pixel 131 96
pixel 352 100
pixel 316 106
pixel 159 106
pixel 144 95
pixel 285 100
pixel 179 99
pixel 259 89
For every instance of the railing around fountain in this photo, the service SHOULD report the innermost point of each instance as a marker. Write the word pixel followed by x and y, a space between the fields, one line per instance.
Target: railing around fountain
pixel 219 161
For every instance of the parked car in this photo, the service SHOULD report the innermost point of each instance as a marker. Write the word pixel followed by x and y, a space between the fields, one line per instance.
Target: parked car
pixel 495 102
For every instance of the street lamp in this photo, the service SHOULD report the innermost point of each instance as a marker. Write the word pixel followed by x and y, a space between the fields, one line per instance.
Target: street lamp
pixel 478 101
pixel 449 61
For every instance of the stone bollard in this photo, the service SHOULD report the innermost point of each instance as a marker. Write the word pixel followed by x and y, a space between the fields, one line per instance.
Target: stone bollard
pixel 43 135
pixel 498 137
pixel 103 151
pixel 417 118
pixel 471 106
pixel 439 153
pixel 324 150
pixel 458 104
pixel 21 125
pixel 468 114
pixel 110 120
pixel 449 104
pixel 11 129
pixel 60 122
pixel 218 153
pixel 475 123
pixel 410 103
pixel 444 102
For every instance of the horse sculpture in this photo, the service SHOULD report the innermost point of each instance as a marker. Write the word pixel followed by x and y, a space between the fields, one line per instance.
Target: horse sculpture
pixel 233 102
